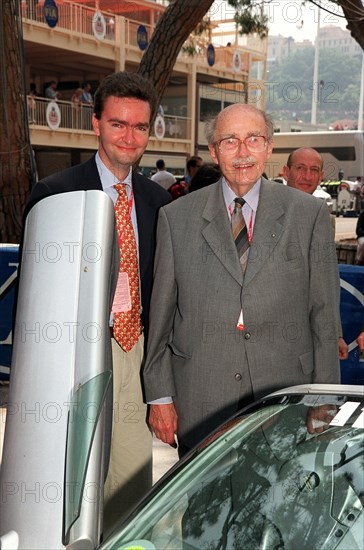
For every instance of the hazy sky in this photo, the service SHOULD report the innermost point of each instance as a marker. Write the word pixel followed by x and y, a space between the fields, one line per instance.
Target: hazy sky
pixel 286 17
pixel 290 18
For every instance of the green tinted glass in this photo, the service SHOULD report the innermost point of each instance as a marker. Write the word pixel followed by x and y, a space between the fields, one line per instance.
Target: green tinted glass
pixel 289 475
pixel 84 412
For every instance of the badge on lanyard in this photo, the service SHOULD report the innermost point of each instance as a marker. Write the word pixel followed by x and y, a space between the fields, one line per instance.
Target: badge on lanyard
pixel 122 297
pixel 240 323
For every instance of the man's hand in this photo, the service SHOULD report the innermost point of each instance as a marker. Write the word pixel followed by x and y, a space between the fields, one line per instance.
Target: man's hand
pixel 360 341
pixel 343 349
pixel 163 422
pixel 319 418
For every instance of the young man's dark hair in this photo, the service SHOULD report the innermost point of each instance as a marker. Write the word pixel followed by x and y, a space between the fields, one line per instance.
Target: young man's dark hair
pixel 123 84
pixel 160 164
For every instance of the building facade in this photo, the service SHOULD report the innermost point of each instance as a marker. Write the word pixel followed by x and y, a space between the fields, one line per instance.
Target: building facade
pixel 83 42
pixel 330 36
pixel 336 37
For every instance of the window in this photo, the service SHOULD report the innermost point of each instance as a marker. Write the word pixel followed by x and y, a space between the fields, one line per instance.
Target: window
pixel 209 108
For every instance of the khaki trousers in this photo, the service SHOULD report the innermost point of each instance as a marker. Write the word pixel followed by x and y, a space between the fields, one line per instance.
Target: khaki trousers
pixel 130 470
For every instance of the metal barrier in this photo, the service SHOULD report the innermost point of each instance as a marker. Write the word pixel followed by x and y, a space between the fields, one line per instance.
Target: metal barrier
pixel 9 254
pixel 352 318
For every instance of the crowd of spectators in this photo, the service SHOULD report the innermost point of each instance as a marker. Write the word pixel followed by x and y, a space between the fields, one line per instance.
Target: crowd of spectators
pixel 198 175
pixel 81 94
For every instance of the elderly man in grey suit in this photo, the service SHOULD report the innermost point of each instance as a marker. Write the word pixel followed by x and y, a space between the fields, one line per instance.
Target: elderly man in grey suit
pixel 246 292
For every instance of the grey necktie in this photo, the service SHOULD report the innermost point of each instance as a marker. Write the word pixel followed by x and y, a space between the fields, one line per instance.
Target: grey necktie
pixel 240 233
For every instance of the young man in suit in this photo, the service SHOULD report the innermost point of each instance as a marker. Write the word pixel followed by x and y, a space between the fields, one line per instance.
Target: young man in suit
pixel 124 107
pixel 304 171
pixel 229 327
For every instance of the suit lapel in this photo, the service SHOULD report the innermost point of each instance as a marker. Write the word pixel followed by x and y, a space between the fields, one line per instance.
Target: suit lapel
pixel 217 232
pixel 90 178
pixel 146 223
pixel 268 229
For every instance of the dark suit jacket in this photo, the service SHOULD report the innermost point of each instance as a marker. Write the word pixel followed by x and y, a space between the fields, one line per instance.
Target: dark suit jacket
pixel 148 196
pixel 360 225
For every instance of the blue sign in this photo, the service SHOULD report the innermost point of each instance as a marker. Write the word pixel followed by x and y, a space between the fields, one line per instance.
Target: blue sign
pixel 210 55
pixel 50 12
pixel 142 37
pixel 352 318
pixel 9 255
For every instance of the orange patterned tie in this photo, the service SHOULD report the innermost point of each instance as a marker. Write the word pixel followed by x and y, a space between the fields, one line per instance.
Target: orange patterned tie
pixel 127 324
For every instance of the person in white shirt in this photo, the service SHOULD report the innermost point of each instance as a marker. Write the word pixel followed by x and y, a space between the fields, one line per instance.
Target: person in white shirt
pixel 163 177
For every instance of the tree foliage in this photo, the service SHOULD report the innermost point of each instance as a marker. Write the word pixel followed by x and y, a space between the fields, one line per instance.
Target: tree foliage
pixel 181 18
pixel 250 17
pixel 176 24
pixel 289 86
pixel 174 27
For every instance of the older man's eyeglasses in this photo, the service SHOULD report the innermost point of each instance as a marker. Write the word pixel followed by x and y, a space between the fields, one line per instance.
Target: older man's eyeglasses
pixel 252 143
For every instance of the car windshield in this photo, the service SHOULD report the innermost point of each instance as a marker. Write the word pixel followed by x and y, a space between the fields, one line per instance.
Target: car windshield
pixel 288 475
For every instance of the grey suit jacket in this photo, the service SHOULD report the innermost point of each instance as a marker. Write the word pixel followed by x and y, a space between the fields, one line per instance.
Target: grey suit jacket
pixel 289 296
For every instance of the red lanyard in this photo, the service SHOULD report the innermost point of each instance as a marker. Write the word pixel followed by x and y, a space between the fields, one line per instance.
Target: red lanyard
pixel 250 230
pixel 131 200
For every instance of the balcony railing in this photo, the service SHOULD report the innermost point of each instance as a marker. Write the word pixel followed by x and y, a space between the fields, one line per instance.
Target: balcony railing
pixel 177 127
pixel 74 116
pixel 77 18
pixel 71 17
pixel 77 118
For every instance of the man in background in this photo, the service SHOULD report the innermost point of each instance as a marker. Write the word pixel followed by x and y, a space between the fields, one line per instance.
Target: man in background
pixel 86 96
pixel 162 176
pixel 182 185
pixel 357 193
pixel 193 164
pixel 51 91
pixel 304 171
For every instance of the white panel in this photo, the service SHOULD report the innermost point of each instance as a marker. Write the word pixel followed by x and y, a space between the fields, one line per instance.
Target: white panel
pixel 61 340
